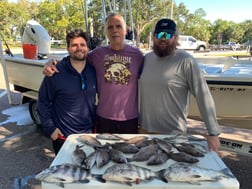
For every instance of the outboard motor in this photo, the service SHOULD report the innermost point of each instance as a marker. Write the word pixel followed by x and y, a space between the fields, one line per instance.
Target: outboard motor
pixel 36 34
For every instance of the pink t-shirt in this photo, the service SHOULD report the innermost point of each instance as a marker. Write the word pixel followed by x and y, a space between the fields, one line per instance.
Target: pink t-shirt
pixel 117 74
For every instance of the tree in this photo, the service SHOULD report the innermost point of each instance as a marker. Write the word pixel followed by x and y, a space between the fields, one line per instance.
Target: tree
pixel 151 11
pixel 247 31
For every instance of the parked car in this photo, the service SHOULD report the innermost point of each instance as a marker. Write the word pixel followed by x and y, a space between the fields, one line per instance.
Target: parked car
pixel 56 42
pixel 230 46
pixel 190 43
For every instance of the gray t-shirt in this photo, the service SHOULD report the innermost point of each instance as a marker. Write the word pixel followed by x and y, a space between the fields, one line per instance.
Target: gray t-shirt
pixel 165 87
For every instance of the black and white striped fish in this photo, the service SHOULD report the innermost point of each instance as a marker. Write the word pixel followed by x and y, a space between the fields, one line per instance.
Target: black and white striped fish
pixel 130 173
pixel 67 173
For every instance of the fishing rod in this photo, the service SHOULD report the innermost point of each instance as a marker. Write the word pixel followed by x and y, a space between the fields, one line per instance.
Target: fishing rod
pixel 7 51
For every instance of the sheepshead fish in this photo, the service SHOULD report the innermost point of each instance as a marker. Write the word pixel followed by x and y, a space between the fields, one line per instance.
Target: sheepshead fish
pixel 164 145
pixel 145 143
pixel 185 172
pixel 199 147
pixel 144 153
pixel 128 174
pixel 125 147
pixel 67 173
pixel 117 156
pixel 189 149
pixel 158 159
pixel 79 156
pixel 183 157
pixel 90 160
pixel 102 157
pixel 89 140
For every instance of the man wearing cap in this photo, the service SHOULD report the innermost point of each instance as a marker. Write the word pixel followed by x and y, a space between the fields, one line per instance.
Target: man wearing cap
pixel 169 76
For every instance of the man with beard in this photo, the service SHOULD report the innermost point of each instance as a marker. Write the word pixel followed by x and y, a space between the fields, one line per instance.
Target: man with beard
pixel 169 76
pixel 66 103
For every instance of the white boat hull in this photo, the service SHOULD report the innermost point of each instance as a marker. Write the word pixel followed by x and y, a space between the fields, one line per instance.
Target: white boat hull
pixel 232 94
pixel 26 73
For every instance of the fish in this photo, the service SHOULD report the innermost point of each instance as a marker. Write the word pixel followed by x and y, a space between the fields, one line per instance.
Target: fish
pixel 185 172
pixel 145 143
pixel 67 173
pixel 89 140
pixel 136 139
pixel 199 147
pixel 125 147
pixel 107 136
pixel 164 145
pixel 144 153
pixel 117 156
pixel 128 174
pixel 189 149
pixel 79 156
pixel 183 157
pixel 181 138
pixel 102 157
pixel 90 160
pixel 158 159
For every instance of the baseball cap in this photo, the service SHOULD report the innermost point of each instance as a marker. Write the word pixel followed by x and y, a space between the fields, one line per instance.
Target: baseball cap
pixel 165 25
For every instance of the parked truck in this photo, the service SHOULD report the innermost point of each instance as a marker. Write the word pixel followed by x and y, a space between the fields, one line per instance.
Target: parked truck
pixel 57 42
pixel 190 43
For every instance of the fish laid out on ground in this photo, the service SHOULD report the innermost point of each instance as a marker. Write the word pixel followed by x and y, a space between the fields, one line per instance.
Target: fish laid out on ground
pixel 79 156
pixel 129 173
pixel 67 173
pixel 89 140
pixel 185 172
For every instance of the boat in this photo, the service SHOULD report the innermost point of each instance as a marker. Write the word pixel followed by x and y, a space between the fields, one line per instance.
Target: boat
pixel 231 88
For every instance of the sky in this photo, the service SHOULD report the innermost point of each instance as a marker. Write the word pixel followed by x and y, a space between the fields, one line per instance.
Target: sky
pixel 230 10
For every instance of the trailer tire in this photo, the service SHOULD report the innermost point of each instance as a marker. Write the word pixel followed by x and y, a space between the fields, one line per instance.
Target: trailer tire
pixel 33 109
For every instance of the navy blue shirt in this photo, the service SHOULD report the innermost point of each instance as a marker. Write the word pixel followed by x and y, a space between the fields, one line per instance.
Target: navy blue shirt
pixel 67 100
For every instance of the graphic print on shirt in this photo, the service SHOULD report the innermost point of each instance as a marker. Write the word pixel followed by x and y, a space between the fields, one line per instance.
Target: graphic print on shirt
pixel 117 69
